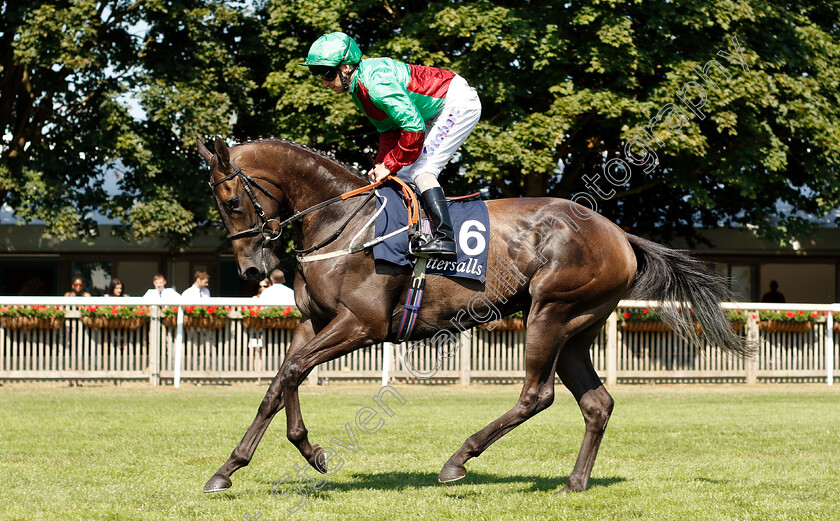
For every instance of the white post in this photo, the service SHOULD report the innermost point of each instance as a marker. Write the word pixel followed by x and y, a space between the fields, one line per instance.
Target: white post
pixel 612 348
pixel 387 350
pixel 751 363
pixel 466 357
pixel 313 377
pixel 154 346
pixel 829 348
pixel 179 344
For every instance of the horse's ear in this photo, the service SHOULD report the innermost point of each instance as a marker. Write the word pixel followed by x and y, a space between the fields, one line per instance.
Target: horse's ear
pixel 202 149
pixel 223 152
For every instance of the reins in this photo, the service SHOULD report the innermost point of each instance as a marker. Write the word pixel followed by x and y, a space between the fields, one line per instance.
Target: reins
pixel 269 234
pixel 338 230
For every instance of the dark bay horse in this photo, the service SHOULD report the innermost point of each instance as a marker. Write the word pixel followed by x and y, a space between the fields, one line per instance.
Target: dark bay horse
pixel 565 266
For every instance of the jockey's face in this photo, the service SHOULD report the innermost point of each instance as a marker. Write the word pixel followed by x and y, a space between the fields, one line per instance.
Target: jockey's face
pixel 335 84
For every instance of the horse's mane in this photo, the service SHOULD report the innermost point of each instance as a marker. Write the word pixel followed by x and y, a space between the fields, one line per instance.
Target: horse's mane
pixel 329 157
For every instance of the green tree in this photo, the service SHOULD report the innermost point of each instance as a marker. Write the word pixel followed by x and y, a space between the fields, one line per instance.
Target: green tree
pixel 567 90
pixel 87 86
pixel 567 87
pixel 61 77
pixel 195 68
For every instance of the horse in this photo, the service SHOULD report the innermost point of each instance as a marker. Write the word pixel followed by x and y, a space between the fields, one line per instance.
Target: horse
pixel 565 267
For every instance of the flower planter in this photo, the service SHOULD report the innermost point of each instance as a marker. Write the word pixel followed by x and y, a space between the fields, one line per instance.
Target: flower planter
pixel 506 324
pixel 777 326
pixel 130 323
pixel 197 322
pixel 836 326
pixel 271 323
pixel 736 325
pixel 653 326
pixel 31 322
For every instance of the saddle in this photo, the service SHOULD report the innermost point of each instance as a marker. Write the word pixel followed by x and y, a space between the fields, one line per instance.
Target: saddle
pixel 470 221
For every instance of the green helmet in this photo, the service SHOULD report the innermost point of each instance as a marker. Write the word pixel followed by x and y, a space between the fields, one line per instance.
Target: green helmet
pixel 332 50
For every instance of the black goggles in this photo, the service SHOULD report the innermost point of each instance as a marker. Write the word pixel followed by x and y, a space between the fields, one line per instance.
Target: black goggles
pixel 324 71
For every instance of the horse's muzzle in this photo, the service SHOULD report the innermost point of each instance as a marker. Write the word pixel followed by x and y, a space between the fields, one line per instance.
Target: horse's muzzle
pixel 252 273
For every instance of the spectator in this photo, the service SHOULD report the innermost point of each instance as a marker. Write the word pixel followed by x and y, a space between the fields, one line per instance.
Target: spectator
pixel 277 291
pixel 160 290
pixel 199 288
pixel 77 286
pixel 773 296
pixel 115 289
pixel 265 283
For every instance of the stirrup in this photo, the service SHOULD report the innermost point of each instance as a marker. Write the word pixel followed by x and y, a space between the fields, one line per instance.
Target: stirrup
pixel 439 252
pixel 417 241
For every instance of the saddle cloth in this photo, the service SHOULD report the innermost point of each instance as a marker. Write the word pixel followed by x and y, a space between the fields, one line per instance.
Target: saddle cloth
pixel 471 223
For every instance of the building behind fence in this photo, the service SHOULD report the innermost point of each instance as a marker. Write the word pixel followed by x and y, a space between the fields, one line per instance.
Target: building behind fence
pixel 75 351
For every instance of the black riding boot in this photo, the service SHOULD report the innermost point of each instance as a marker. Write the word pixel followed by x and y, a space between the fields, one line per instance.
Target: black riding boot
pixel 442 243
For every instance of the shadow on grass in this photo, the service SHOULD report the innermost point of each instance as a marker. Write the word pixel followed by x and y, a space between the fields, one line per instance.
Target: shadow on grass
pixel 714 481
pixel 412 480
pixel 227 495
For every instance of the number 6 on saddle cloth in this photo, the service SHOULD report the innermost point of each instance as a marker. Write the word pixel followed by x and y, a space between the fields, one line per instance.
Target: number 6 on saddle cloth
pixel 471 223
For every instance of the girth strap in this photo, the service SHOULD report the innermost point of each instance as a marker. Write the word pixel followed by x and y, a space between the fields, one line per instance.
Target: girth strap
pixel 413 299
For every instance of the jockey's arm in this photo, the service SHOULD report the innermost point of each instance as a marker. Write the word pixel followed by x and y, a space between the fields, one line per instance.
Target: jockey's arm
pixel 387 142
pixel 402 146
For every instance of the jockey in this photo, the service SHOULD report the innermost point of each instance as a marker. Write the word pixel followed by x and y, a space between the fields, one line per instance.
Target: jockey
pixel 423 115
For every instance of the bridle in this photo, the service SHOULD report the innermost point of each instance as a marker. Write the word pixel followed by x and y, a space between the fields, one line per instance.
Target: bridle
pixel 248 183
pixel 270 234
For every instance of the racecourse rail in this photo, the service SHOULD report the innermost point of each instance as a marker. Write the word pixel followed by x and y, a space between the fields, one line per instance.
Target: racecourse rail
pixel 162 354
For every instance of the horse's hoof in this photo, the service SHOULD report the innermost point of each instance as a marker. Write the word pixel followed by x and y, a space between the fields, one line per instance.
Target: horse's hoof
pixel 318 459
pixel 217 483
pixel 570 488
pixel 451 472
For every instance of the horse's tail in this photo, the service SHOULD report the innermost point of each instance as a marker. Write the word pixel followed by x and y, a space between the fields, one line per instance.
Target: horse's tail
pixel 685 285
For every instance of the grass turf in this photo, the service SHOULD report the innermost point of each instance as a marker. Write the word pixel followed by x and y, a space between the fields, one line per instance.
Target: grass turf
pixel 670 452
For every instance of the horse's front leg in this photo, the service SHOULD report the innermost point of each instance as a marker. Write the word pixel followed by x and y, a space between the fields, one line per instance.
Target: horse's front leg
pixel 344 334
pixel 271 405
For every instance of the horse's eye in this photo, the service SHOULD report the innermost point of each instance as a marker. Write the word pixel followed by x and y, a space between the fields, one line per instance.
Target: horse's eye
pixel 232 203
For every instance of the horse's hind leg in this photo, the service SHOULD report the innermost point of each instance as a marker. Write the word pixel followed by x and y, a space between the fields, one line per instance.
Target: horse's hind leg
pixel 537 394
pixel 574 367
pixel 272 403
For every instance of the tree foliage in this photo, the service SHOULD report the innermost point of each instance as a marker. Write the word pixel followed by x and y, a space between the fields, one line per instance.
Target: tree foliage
pixel 567 86
pixel 601 98
pixel 60 78
pixel 118 84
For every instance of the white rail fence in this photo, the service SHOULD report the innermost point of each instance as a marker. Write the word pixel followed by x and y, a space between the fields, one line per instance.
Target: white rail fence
pixel 159 353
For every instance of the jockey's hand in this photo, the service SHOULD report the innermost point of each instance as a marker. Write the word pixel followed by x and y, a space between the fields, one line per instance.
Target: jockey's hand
pixel 378 172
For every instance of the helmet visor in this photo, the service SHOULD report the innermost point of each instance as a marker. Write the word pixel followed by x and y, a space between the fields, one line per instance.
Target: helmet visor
pixel 324 71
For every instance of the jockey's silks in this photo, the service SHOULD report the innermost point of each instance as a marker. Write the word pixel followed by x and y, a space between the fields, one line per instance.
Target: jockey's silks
pixel 399 99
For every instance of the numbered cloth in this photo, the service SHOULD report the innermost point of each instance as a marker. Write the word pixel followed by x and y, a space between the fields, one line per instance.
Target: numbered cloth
pixel 470 221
